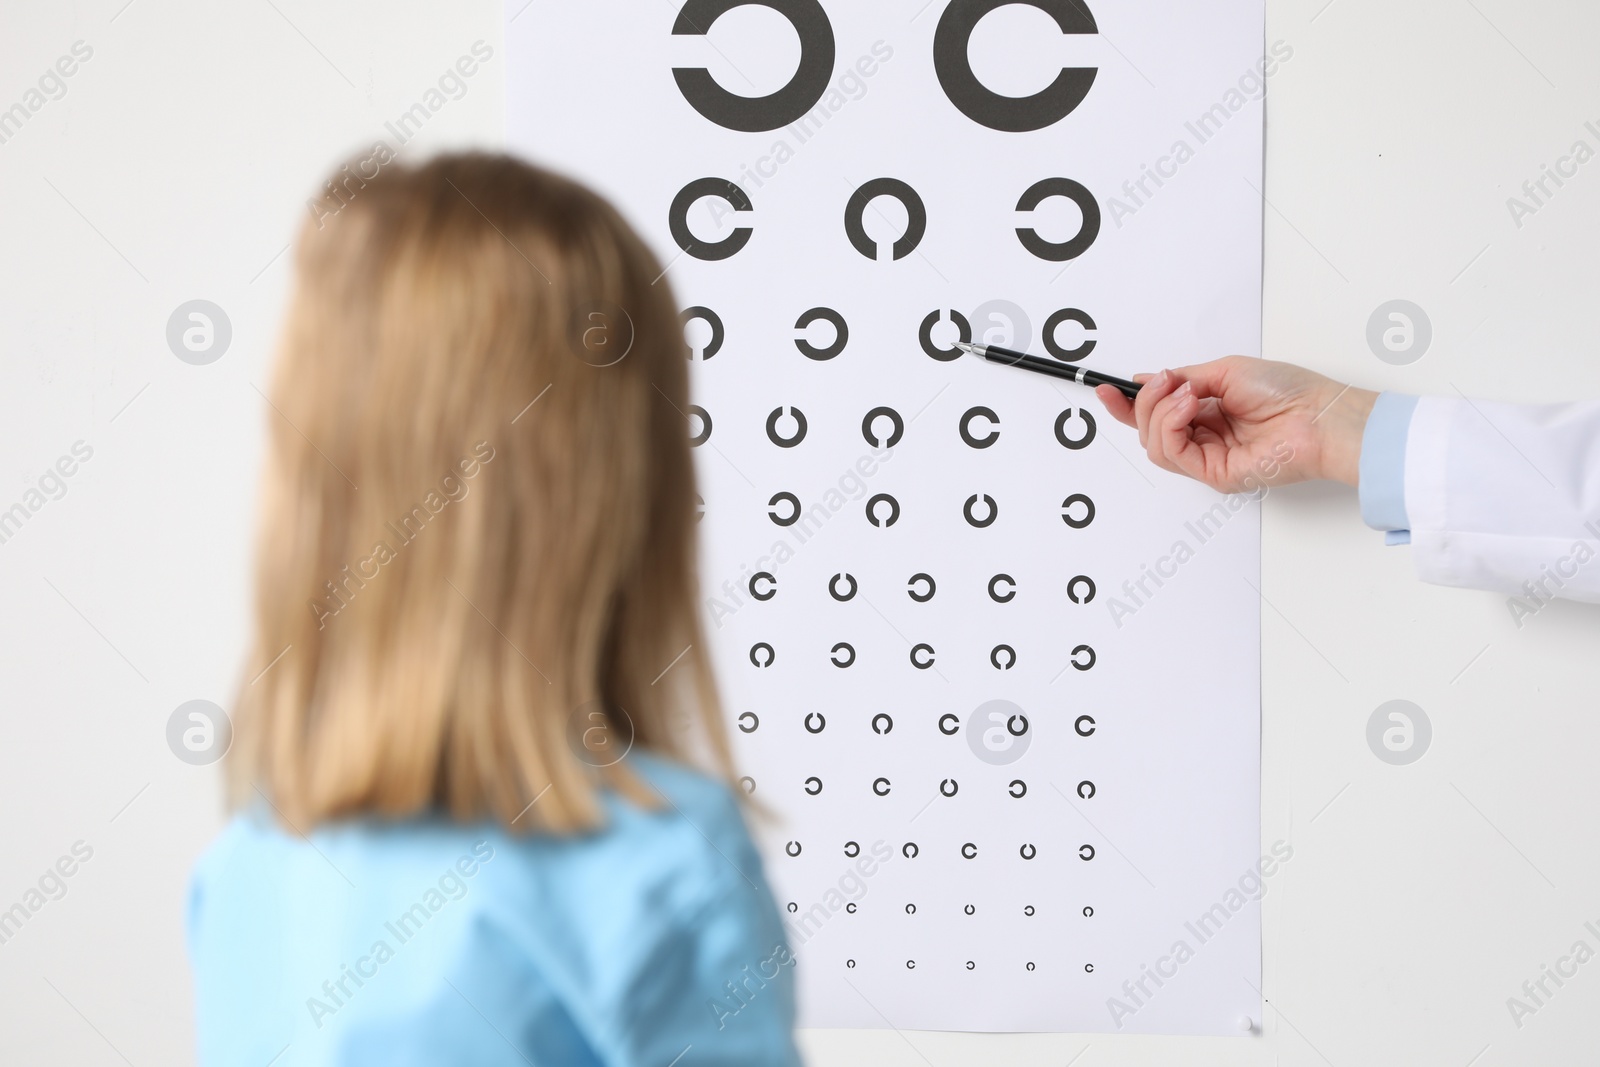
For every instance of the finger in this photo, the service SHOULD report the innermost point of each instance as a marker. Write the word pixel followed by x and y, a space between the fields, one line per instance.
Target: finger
pixel 1211 417
pixel 1140 379
pixel 1156 444
pixel 1118 406
pixel 1175 435
pixel 1214 377
pixel 1154 391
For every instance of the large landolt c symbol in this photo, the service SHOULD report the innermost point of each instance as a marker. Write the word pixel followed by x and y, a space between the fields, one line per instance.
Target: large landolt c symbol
pixel 759 113
pixel 982 105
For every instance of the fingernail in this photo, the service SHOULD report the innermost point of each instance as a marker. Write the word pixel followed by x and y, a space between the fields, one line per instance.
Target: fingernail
pixel 1184 390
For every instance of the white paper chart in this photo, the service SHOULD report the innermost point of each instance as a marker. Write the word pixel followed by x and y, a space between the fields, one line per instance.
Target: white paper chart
pixel 995 676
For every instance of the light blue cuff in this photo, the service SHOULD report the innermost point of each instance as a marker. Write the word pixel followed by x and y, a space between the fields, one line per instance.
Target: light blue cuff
pixel 1383 467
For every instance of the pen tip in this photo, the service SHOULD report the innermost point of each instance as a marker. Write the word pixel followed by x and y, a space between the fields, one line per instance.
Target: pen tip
pixel 969 349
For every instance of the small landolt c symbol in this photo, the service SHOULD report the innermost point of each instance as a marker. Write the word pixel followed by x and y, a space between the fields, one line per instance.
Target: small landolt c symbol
pixel 759 660
pixel 872 510
pixel 916 216
pixel 821 725
pixel 993 508
pixel 813 785
pixel 882 723
pixel 785 498
pixel 923 597
pixel 833 587
pixel 792 848
pixel 949 725
pixel 800 427
pixel 880 786
pixel 714 345
pixel 1068 355
pixel 965 427
pixel 1075 443
pixel 1052 251
pixel 698 412
pixel 841 334
pixel 749 721
pixel 925 336
pixel 1088 511
pixel 997 732
pixel 678 218
pixel 894 434
pixel 1072 589
pixel 848 649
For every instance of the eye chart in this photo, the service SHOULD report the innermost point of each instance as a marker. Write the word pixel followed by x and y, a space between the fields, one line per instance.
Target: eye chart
pixel 995 675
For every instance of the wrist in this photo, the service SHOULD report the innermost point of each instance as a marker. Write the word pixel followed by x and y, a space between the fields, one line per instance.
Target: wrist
pixel 1339 432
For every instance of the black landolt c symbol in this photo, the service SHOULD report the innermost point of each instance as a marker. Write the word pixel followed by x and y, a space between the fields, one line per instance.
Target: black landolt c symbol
pixel 988 108
pixel 678 218
pixel 799 432
pixel 758 114
pixel 916 216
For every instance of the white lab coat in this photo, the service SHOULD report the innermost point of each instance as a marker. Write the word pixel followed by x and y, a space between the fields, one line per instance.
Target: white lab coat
pixel 1506 497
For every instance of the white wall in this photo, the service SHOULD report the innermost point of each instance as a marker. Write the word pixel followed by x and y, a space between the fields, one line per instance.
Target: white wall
pixel 175 167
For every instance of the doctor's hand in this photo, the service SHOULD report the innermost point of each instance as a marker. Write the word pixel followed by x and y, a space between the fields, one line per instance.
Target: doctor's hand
pixel 1238 423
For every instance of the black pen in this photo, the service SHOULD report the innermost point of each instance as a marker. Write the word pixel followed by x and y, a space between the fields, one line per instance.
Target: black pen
pixel 1081 375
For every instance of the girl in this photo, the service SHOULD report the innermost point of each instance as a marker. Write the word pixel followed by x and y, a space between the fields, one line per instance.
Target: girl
pixel 467 827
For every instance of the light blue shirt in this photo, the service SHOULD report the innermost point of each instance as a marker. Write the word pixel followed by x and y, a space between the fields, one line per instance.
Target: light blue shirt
pixel 650 943
pixel 1383 466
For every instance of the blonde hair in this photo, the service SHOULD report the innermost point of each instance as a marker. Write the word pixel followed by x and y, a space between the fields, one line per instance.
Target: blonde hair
pixel 477 543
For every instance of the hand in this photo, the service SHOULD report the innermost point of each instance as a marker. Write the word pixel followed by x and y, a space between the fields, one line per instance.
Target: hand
pixel 1237 424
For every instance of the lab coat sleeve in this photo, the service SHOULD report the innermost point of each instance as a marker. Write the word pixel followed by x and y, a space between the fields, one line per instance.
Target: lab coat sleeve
pixel 1505 497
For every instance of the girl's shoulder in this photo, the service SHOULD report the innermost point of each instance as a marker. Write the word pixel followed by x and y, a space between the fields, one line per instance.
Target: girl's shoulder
pixel 678 857
pixel 630 933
